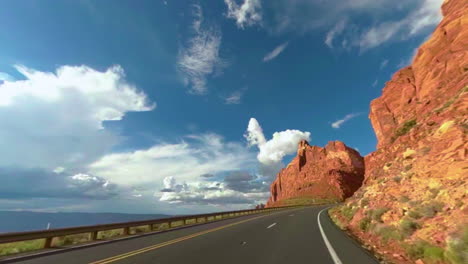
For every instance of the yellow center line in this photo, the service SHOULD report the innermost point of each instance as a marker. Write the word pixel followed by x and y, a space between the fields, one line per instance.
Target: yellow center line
pixel 170 242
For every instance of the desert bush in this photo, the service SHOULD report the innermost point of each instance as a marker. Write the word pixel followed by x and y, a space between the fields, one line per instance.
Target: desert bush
pixel 414 214
pixel 425 251
pixel 364 223
pixel 389 233
pixel 397 179
pixel 404 199
pixel 377 214
pixel 405 128
pixel 408 226
pixel 364 202
pixel 457 247
pixel 348 212
pixel 431 209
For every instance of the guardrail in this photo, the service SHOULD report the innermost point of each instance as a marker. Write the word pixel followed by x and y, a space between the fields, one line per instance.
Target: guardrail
pixel 151 225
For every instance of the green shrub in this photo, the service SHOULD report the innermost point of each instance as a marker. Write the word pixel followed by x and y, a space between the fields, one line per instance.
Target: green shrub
pixel 457 248
pixel 425 251
pixel 405 128
pixel 364 202
pixel 377 214
pixel 348 212
pixel 433 254
pixel 404 199
pixel 389 233
pixel 408 226
pixel 364 223
pixel 414 214
pixel 408 167
pixel 397 179
pixel 431 209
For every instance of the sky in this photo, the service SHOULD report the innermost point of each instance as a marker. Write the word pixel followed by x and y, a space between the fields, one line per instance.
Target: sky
pixel 184 106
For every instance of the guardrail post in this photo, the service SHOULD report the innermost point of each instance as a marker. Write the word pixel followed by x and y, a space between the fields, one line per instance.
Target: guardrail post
pixel 48 242
pixel 94 235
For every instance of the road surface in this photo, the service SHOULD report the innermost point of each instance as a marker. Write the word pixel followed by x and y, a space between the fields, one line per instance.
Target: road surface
pixel 289 236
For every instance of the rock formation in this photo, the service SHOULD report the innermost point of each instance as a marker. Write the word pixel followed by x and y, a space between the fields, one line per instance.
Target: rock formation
pixel 332 173
pixel 412 206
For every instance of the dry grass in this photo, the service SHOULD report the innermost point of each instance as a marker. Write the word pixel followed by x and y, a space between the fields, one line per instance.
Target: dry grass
pixel 22 246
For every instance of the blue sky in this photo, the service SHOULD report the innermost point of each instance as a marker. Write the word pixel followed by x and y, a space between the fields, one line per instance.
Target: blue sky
pixel 171 106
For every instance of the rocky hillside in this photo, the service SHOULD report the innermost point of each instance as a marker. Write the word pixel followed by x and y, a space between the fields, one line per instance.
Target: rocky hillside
pixel 412 207
pixel 317 174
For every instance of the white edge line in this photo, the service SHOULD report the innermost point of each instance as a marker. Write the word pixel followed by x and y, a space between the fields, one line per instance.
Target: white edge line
pixel 272 225
pixel 332 252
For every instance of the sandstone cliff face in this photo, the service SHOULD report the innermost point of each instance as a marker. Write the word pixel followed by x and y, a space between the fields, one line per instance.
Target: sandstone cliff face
pixel 416 183
pixel 332 173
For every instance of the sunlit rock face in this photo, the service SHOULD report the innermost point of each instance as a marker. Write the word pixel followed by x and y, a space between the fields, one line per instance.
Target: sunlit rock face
pixel 419 172
pixel 332 173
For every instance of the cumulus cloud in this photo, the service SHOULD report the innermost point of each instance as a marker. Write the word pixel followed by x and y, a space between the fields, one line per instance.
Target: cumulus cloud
pixel 275 52
pixel 6 77
pixel 196 155
pixel 56 119
pixel 340 122
pixel 246 14
pixel 213 193
pixel 272 151
pixel 199 58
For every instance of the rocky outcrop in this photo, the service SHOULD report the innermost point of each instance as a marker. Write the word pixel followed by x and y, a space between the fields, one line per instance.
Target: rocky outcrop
pixel 317 174
pixel 415 189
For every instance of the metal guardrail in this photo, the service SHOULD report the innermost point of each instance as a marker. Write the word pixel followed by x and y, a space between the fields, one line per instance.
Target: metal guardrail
pixel 152 225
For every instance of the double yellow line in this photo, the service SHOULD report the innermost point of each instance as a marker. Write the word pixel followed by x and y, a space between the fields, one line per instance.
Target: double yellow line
pixel 170 242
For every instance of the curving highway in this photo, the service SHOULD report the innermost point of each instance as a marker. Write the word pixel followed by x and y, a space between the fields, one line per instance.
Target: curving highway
pixel 304 235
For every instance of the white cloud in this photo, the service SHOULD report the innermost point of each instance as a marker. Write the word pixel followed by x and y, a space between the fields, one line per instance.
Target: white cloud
pixel 210 193
pixel 409 18
pixel 274 53
pixel 59 170
pixel 427 14
pixel 52 120
pixel 336 30
pixel 246 14
pixel 383 64
pixel 339 123
pixel 272 151
pixel 375 83
pixel 235 97
pixel 186 161
pixel 6 77
pixel 200 57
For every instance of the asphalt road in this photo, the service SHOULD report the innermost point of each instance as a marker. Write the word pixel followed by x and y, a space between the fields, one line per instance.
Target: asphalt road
pixel 289 236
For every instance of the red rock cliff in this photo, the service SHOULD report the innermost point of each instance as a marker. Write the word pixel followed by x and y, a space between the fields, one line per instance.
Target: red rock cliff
pixel 332 173
pixel 417 179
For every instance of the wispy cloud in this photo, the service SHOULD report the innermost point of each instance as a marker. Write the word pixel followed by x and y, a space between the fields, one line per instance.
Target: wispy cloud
pixel 274 53
pixel 383 64
pixel 375 83
pixel 235 97
pixel 200 58
pixel 336 30
pixel 416 22
pixel 246 14
pixel 338 123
